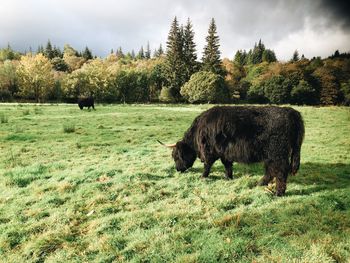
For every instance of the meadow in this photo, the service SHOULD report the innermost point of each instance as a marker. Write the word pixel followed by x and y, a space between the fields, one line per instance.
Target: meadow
pixel 95 186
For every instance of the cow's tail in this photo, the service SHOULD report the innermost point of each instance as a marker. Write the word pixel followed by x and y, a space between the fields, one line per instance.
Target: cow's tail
pixel 297 139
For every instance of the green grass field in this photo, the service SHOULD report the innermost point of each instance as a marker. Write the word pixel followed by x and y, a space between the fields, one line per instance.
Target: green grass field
pixel 95 186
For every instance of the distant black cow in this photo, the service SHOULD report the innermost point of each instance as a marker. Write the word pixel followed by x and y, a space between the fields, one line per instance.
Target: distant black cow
pixel 272 135
pixel 86 102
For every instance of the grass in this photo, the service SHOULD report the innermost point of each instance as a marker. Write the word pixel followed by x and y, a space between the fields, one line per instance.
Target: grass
pixel 109 192
pixel 68 128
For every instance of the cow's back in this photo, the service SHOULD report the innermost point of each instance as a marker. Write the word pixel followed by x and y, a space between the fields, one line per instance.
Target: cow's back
pixel 244 133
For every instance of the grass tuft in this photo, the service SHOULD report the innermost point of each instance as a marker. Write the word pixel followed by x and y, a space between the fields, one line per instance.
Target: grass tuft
pixel 69 128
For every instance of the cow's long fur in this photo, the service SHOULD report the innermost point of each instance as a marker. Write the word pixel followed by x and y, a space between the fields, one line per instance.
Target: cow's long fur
pixel 245 134
pixel 86 102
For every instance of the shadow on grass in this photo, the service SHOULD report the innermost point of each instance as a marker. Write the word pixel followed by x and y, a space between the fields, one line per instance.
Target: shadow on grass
pixel 319 177
pixel 313 177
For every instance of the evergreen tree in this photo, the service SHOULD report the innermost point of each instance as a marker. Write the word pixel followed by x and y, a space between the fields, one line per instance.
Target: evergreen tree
pixel 48 50
pixel 148 52
pixel 240 58
pixel 211 55
pixel 57 52
pixel 174 65
pixel 132 54
pixel 159 52
pixel 87 53
pixel 256 55
pixel 112 51
pixel 40 49
pixel 189 50
pixel 119 53
pixel 141 54
pixel 295 57
pixel 269 56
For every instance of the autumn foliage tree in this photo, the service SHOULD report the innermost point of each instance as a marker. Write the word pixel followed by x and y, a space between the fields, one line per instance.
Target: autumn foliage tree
pixel 35 77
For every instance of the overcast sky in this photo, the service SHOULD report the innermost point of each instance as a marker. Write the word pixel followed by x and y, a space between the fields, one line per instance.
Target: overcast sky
pixel 313 27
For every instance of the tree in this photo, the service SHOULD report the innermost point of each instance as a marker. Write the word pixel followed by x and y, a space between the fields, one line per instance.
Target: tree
pixel 240 58
pixel 329 87
pixel 174 63
pixel 189 50
pixel 295 57
pixel 35 77
pixel 87 53
pixel 8 80
pixel 205 86
pixel 148 51
pixel 159 52
pixel 268 56
pixel 48 50
pixel 59 64
pixel 255 56
pixel 211 55
pixel 277 89
pixel 141 54
pixel 119 53
pixel 303 93
pixel 8 54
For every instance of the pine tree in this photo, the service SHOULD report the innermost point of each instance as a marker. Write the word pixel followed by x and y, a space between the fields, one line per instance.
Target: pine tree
pixel 257 53
pixel 141 54
pixel 48 50
pixel 269 56
pixel 40 49
pixel 189 50
pixel 211 55
pixel 87 53
pixel 119 53
pixel 57 52
pixel 133 54
pixel 174 65
pixel 158 52
pixel 295 57
pixel 148 52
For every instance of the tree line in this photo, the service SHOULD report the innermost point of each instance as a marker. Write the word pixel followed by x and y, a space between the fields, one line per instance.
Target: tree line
pixel 174 75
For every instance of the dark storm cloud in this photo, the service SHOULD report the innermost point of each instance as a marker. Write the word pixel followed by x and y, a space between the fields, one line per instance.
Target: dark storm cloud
pixel 337 10
pixel 312 27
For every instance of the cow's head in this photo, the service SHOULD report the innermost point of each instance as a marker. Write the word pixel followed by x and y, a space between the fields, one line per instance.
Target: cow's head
pixel 183 155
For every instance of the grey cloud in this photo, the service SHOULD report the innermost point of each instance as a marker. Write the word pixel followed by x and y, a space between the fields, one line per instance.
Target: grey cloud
pixel 106 24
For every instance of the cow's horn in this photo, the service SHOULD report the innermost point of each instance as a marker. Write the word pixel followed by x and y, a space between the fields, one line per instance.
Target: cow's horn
pixel 167 145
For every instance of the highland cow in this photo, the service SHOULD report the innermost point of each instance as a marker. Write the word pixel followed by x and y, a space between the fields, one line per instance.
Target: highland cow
pixel 86 102
pixel 244 134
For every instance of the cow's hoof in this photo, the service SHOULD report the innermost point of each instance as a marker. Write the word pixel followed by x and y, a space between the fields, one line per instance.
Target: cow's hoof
pixel 262 183
pixel 204 177
pixel 228 178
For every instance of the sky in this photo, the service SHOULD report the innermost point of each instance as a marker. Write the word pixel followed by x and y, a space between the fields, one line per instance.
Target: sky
pixel 313 27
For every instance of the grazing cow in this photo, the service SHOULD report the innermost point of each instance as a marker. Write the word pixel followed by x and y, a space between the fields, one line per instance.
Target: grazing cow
pixel 86 102
pixel 244 134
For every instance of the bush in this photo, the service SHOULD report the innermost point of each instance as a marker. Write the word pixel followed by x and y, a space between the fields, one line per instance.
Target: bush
pixel 166 95
pixel 205 86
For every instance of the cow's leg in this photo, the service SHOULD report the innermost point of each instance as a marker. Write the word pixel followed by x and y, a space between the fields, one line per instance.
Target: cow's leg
pixel 207 167
pixel 281 172
pixel 228 168
pixel 267 178
pixel 93 107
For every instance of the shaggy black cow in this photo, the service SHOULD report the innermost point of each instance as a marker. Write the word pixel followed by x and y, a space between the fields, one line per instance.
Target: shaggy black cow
pixel 86 102
pixel 272 135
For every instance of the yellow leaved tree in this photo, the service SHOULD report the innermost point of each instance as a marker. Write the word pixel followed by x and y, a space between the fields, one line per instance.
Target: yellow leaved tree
pixel 35 77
